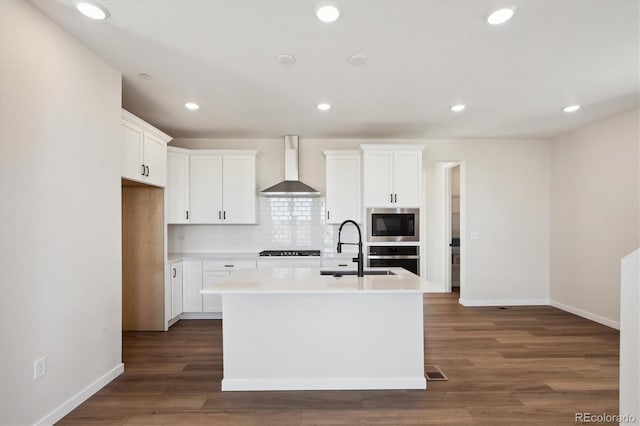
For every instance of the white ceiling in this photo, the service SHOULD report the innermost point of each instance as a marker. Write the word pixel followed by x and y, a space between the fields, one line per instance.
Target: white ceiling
pixel 423 57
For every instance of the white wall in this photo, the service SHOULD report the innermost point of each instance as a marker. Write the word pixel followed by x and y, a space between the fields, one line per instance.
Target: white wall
pixel 507 204
pixel 60 295
pixel 594 215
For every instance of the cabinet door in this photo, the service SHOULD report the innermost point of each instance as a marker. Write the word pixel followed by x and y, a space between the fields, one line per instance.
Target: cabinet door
pixel 212 302
pixel 132 146
pixel 343 188
pixel 177 188
pixel 239 189
pixel 205 188
pixel 176 289
pixel 378 178
pixel 191 286
pixel 407 172
pixel 155 160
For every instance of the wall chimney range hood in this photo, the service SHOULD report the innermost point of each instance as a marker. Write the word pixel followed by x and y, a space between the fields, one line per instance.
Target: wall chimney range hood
pixel 290 186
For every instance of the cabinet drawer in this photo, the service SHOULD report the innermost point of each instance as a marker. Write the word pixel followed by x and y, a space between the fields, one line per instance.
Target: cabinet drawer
pixel 345 263
pixel 228 264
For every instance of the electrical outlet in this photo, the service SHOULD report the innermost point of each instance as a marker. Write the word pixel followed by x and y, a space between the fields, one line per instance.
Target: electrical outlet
pixel 39 367
pixel 516 279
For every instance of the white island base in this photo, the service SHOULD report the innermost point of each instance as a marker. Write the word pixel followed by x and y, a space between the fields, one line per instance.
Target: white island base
pixel 323 340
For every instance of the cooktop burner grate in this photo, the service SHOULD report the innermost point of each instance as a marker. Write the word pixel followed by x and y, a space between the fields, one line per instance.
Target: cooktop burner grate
pixel 290 253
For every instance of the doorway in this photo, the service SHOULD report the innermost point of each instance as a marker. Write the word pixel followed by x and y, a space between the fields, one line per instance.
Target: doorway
pixel 452 224
pixel 444 216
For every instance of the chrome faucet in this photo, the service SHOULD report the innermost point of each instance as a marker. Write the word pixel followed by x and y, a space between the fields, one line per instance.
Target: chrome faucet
pixel 358 259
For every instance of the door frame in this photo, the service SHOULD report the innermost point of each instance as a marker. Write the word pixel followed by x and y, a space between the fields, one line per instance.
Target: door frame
pixel 447 225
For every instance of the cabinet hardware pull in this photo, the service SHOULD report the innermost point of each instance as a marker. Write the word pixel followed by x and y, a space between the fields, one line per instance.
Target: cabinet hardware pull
pixel 342 264
pixel 187 214
pixel 228 266
pixel 224 215
pixel 147 170
pixel 395 198
pixel 219 215
pixel 174 272
pixel 142 173
pixel 328 215
pixel 391 199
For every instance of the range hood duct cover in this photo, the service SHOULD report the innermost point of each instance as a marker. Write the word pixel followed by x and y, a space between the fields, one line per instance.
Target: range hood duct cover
pixel 290 186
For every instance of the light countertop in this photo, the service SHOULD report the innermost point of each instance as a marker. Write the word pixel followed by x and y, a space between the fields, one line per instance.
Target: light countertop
pixel 253 255
pixel 309 280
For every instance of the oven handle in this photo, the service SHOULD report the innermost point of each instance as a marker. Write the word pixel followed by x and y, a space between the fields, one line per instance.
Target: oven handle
pixel 393 257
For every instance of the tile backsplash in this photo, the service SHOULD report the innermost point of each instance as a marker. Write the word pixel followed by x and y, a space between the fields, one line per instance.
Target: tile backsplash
pixel 283 223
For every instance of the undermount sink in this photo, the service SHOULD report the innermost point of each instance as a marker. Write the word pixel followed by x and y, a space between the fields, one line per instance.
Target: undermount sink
pixel 338 273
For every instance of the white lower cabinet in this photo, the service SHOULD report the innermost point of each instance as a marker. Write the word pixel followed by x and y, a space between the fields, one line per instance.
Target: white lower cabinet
pixel 192 285
pixel 346 263
pixel 176 289
pixel 198 274
pixel 212 302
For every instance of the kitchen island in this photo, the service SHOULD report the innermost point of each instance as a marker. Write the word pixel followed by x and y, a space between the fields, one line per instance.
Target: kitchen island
pixel 295 329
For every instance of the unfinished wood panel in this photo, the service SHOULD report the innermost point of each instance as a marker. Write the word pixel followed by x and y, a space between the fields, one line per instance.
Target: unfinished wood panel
pixel 142 258
pixel 174 378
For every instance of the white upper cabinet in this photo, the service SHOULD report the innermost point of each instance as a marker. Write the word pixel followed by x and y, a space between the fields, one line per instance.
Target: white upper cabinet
pixel 239 188
pixel 407 173
pixel 343 189
pixel 177 190
pixel 155 160
pixel 205 184
pixel 144 151
pixel 132 151
pixel 378 178
pixel 392 175
pixel 221 188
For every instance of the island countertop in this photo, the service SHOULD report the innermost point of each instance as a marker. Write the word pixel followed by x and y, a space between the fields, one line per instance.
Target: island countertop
pixel 309 280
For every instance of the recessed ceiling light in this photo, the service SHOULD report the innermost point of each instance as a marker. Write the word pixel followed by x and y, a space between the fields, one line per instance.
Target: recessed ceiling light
pixel 192 106
pixel 324 106
pixel 500 16
pixel 358 59
pixel 571 108
pixel 287 59
pixel 145 76
pixel 458 108
pixel 92 10
pixel 327 11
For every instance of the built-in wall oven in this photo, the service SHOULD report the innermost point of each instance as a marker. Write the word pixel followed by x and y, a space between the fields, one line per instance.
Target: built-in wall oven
pixel 393 225
pixel 407 257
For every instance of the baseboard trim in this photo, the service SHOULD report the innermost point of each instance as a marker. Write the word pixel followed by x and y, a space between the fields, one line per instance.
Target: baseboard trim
pixel 200 315
pixel 502 302
pixel 585 314
pixel 346 383
pixel 73 402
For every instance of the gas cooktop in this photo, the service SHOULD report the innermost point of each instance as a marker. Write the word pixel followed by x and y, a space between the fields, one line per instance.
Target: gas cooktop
pixel 290 253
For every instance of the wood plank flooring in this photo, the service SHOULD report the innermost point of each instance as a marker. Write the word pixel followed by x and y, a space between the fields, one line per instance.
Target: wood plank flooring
pixel 513 366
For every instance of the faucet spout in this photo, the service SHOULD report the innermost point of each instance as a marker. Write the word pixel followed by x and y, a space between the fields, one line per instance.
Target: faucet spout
pixel 359 259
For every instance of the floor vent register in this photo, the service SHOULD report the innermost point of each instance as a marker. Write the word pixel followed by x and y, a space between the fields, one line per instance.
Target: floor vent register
pixel 434 373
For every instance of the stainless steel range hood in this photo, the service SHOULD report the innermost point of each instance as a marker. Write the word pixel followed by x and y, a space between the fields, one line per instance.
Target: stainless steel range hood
pixel 290 186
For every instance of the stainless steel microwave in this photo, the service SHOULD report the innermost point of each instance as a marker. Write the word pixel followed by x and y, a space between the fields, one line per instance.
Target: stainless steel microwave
pixel 393 225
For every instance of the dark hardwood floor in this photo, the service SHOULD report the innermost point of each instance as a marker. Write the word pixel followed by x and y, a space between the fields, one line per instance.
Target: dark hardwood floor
pixel 513 366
